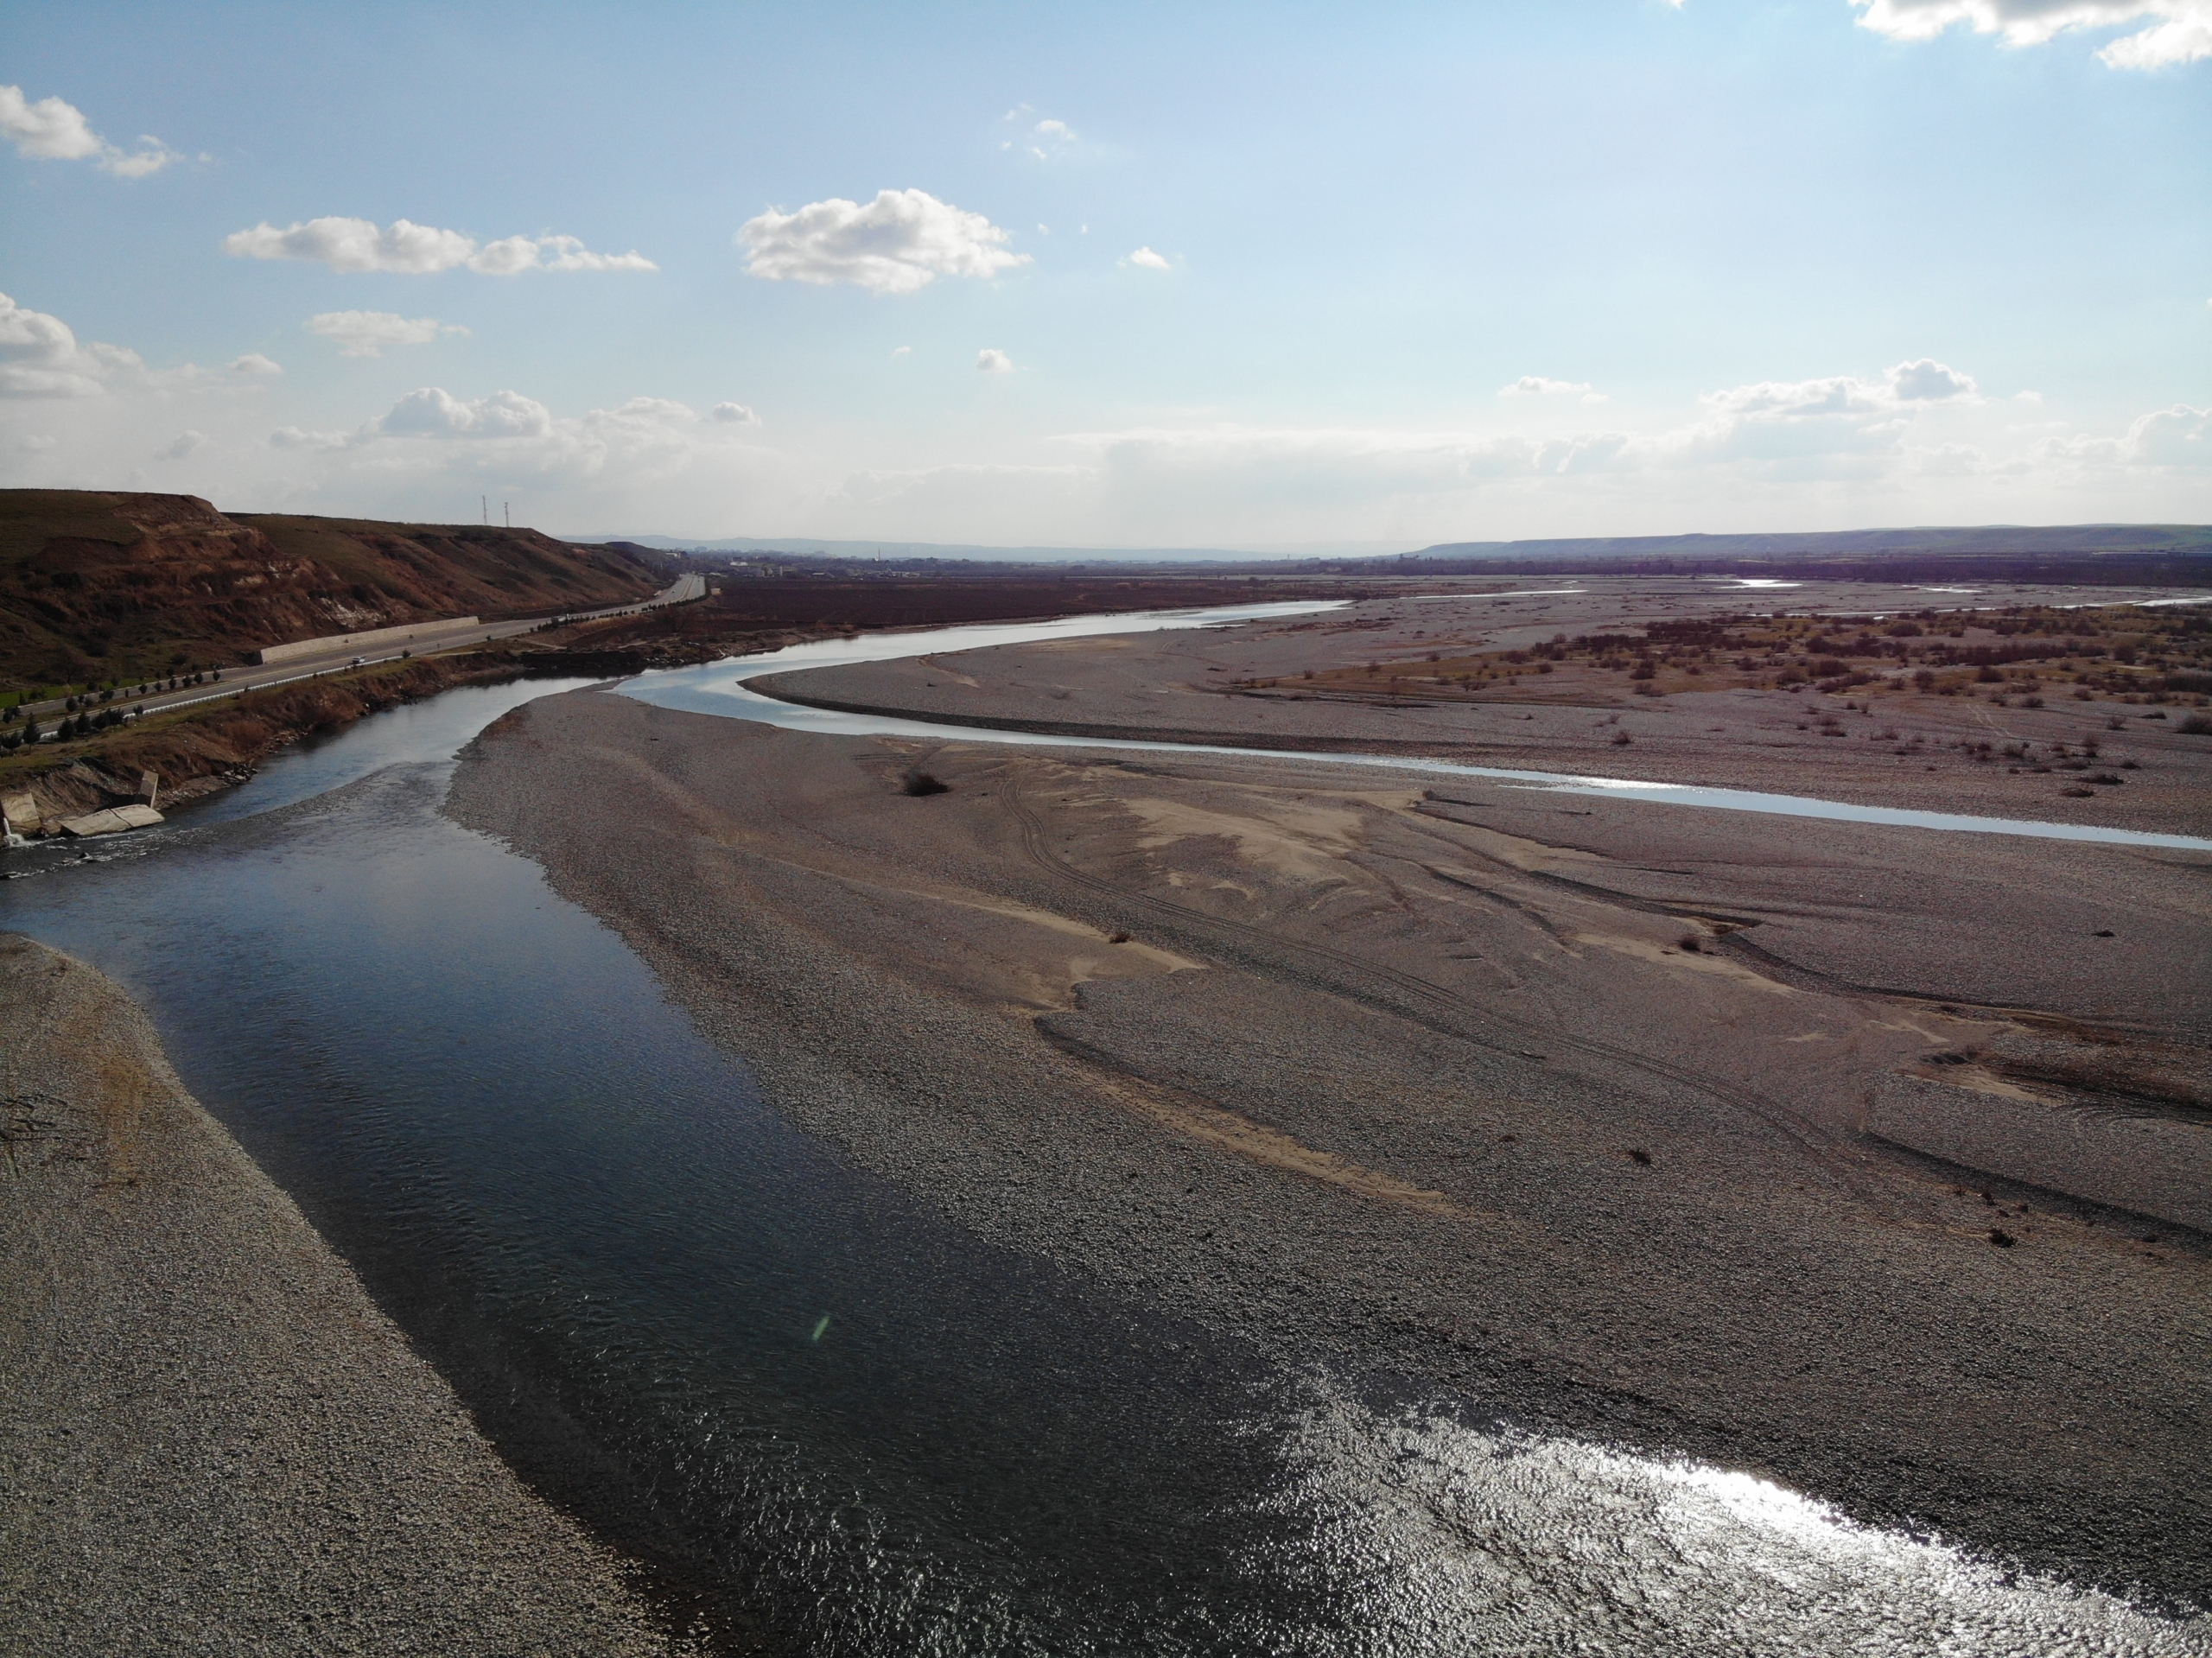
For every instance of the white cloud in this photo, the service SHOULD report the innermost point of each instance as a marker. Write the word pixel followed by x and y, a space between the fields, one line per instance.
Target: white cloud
pixel 902 350
pixel 49 130
pixel 735 414
pixel 434 412
pixel 1928 381
pixel 431 435
pixel 1538 386
pixel 2178 437
pixel 292 437
pixel 897 244
pixel 40 357
pixel 2182 33
pixel 1043 139
pixel 991 360
pixel 408 249
pixel 182 445
pixel 1925 381
pixel 152 156
pixel 254 363
pixel 365 333
pixel 55 130
pixel 1145 258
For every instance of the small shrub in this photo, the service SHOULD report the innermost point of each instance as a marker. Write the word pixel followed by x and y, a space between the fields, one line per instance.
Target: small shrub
pixel 1689 941
pixel 921 782
pixel 2001 1238
pixel 2197 726
pixel 1638 1155
pixel 1117 938
pixel 1620 739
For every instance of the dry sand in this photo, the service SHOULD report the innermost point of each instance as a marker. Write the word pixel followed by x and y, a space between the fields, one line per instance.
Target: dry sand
pixel 1427 1079
pixel 211 1441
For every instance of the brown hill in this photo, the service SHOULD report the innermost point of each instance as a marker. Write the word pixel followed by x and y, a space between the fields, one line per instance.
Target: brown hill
pixel 97 586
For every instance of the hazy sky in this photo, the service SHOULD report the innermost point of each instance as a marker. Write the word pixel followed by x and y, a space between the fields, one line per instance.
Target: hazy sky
pixel 1117 275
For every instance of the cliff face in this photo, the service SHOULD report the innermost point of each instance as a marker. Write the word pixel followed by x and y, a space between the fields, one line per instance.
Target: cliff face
pixel 96 585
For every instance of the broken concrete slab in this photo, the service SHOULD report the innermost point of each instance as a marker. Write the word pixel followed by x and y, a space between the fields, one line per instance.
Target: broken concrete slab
pixel 113 821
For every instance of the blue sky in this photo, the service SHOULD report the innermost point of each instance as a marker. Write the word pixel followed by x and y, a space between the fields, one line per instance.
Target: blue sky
pixel 1224 275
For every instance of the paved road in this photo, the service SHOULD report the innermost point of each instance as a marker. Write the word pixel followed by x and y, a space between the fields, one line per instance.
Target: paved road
pixel 682 590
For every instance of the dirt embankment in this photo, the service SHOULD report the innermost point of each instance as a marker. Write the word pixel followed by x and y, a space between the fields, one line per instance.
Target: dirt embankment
pixel 211 1441
pixel 102 586
pixel 200 752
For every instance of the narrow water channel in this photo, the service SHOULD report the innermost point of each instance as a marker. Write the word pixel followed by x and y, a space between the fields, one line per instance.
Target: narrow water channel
pixel 725 689
pixel 840 1425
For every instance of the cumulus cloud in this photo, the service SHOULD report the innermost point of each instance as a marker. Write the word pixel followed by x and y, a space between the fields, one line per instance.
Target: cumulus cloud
pixel 182 445
pixel 735 413
pixel 1042 138
pixel 412 250
pixel 991 360
pixel 431 433
pixel 2180 436
pixel 2180 30
pixel 902 350
pixel 1806 431
pixel 1146 259
pixel 1538 386
pixel 55 130
pixel 40 357
pixel 365 333
pixel 1917 383
pixel 254 363
pixel 897 244
pixel 434 412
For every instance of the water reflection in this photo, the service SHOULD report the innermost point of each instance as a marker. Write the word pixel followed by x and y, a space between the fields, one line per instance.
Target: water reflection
pixel 1472 1540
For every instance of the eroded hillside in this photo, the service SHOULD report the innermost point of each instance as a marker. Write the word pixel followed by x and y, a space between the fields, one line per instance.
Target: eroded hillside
pixel 110 586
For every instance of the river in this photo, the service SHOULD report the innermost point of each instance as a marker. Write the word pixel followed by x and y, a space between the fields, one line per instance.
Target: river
pixel 838 1425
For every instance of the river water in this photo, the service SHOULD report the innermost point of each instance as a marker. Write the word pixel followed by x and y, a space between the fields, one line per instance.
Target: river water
pixel 838 1425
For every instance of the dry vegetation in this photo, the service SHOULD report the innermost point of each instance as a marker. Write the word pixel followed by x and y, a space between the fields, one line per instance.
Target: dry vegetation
pixel 2021 655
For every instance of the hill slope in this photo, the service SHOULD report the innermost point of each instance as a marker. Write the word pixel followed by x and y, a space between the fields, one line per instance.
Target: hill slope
pixel 96 585
pixel 2162 554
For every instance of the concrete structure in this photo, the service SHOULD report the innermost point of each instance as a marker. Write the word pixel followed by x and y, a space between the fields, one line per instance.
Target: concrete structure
pixel 113 821
pixel 330 644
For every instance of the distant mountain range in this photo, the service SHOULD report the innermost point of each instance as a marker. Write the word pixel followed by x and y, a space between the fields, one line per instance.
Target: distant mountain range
pixel 1988 539
pixel 1673 552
